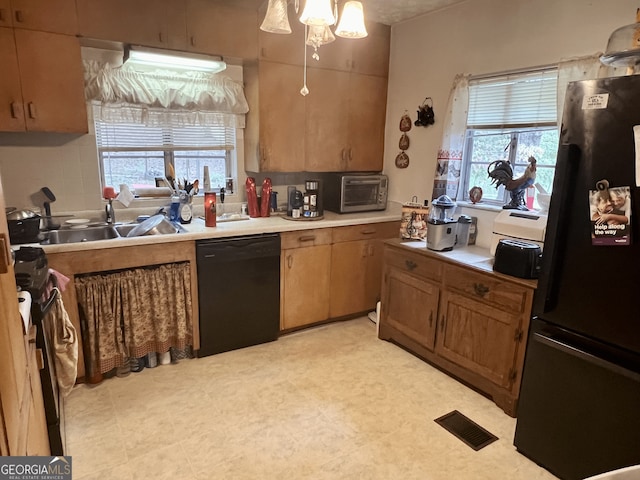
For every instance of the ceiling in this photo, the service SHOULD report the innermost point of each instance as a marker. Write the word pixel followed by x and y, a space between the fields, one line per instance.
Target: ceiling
pixel 394 11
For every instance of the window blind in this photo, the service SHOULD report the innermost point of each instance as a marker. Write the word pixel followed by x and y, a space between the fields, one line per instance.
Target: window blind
pixel 112 137
pixel 526 99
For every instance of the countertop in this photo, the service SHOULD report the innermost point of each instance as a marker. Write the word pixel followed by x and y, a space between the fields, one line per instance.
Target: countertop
pixel 196 230
pixel 478 258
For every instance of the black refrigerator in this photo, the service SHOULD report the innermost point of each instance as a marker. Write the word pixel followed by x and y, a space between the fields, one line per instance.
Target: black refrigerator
pixel 579 407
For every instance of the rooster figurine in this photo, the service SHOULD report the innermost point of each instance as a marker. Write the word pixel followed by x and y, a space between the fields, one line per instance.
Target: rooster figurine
pixel 501 173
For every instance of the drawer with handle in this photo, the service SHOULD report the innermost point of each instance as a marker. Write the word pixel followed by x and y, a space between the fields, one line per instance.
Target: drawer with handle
pixel 305 238
pixel 486 287
pixel 413 263
pixel 367 231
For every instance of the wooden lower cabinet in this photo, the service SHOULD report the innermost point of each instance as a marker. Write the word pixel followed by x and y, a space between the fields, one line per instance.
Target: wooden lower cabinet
pixel 331 273
pixel 411 306
pixel 468 322
pixel 356 267
pixel 305 272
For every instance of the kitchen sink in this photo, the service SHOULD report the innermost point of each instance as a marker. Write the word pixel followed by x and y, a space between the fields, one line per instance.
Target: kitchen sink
pixel 92 234
pixel 89 234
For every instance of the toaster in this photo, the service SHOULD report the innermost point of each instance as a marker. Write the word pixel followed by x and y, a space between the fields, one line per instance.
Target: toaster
pixel 516 258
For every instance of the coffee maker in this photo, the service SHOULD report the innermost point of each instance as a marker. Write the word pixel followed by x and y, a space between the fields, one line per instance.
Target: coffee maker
pixel 441 227
pixel 305 205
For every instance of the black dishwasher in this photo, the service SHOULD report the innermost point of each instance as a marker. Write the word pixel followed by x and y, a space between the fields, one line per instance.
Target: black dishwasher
pixel 238 292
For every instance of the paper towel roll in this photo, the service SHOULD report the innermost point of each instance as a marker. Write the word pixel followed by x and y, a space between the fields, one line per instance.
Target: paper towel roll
pixel 206 179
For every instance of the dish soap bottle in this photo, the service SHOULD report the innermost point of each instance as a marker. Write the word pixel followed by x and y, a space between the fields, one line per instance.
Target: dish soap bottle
pixel 174 211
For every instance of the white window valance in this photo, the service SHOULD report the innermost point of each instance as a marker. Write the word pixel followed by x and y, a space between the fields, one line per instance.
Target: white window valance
pixel 123 95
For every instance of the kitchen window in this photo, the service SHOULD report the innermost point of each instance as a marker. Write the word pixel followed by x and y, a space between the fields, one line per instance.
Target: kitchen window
pixel 510 117
pixel 141 155
pixel 150 122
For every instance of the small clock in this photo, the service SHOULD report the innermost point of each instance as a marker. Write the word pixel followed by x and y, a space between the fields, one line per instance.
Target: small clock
pixel 186 213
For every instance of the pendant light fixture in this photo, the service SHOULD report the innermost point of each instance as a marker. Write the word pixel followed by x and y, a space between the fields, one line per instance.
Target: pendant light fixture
pixel 317 16
pixel 276 20
pixel 318 13
pixel 352 21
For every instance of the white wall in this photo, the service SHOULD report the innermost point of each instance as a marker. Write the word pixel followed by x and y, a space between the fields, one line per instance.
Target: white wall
pixel 477 37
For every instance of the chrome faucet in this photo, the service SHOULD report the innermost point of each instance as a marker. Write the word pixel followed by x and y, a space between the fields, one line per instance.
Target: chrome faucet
pixel 109 213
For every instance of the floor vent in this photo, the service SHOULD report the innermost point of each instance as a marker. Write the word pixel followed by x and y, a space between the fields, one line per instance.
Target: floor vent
pixel 466 430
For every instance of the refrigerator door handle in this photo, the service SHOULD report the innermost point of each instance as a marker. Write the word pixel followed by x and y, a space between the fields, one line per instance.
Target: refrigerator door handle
pixel 563 185
pixel 587 357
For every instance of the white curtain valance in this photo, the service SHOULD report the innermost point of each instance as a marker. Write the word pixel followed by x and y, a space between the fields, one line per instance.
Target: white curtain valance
pixel 124 95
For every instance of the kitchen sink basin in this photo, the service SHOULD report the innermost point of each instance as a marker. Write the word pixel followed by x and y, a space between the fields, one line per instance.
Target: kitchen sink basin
pixel 89 234
pixel 124 229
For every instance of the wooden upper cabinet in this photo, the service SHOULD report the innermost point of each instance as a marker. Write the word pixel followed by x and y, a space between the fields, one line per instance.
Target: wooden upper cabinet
pixel 279 47
pixel 369 55
pixel 153 23
pixel 57 16
pixel 327 120
pixel 282 112
pixel 52 82
pixel 11 111
pixel 5 13
pixel 345 121
pixel 223 27
pixel 367 115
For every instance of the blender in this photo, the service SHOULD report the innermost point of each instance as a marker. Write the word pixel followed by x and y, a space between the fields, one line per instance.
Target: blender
pixel 441 227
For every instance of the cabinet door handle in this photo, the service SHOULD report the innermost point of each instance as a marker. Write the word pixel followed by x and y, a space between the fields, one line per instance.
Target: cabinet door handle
pixel 3 18
pixel 39 359
pixel 160 37
pixel 410 264
pixel 480 289
pixel 368 232
pixel 307 238
pixel 192 40
pixel 350 155
pixel 5 257
pixel 15 110
pixel 19 16
pixel 32 110
pixel 431 319
pixel 289 261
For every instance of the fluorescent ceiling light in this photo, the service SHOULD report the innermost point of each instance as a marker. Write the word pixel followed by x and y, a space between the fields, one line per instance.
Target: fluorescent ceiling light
pixel 163 58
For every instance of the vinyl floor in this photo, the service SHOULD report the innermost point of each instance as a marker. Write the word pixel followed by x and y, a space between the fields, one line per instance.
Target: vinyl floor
pixel 330 402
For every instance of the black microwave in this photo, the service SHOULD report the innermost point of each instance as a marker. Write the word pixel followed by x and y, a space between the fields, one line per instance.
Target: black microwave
pixel 355 192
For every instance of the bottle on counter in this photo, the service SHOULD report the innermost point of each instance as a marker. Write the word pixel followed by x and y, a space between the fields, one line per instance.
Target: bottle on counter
pixel 174 210
pixel 463 230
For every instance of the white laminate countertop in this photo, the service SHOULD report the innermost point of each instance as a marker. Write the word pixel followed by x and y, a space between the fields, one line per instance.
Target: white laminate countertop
pixel 196 230
pixel 472 256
